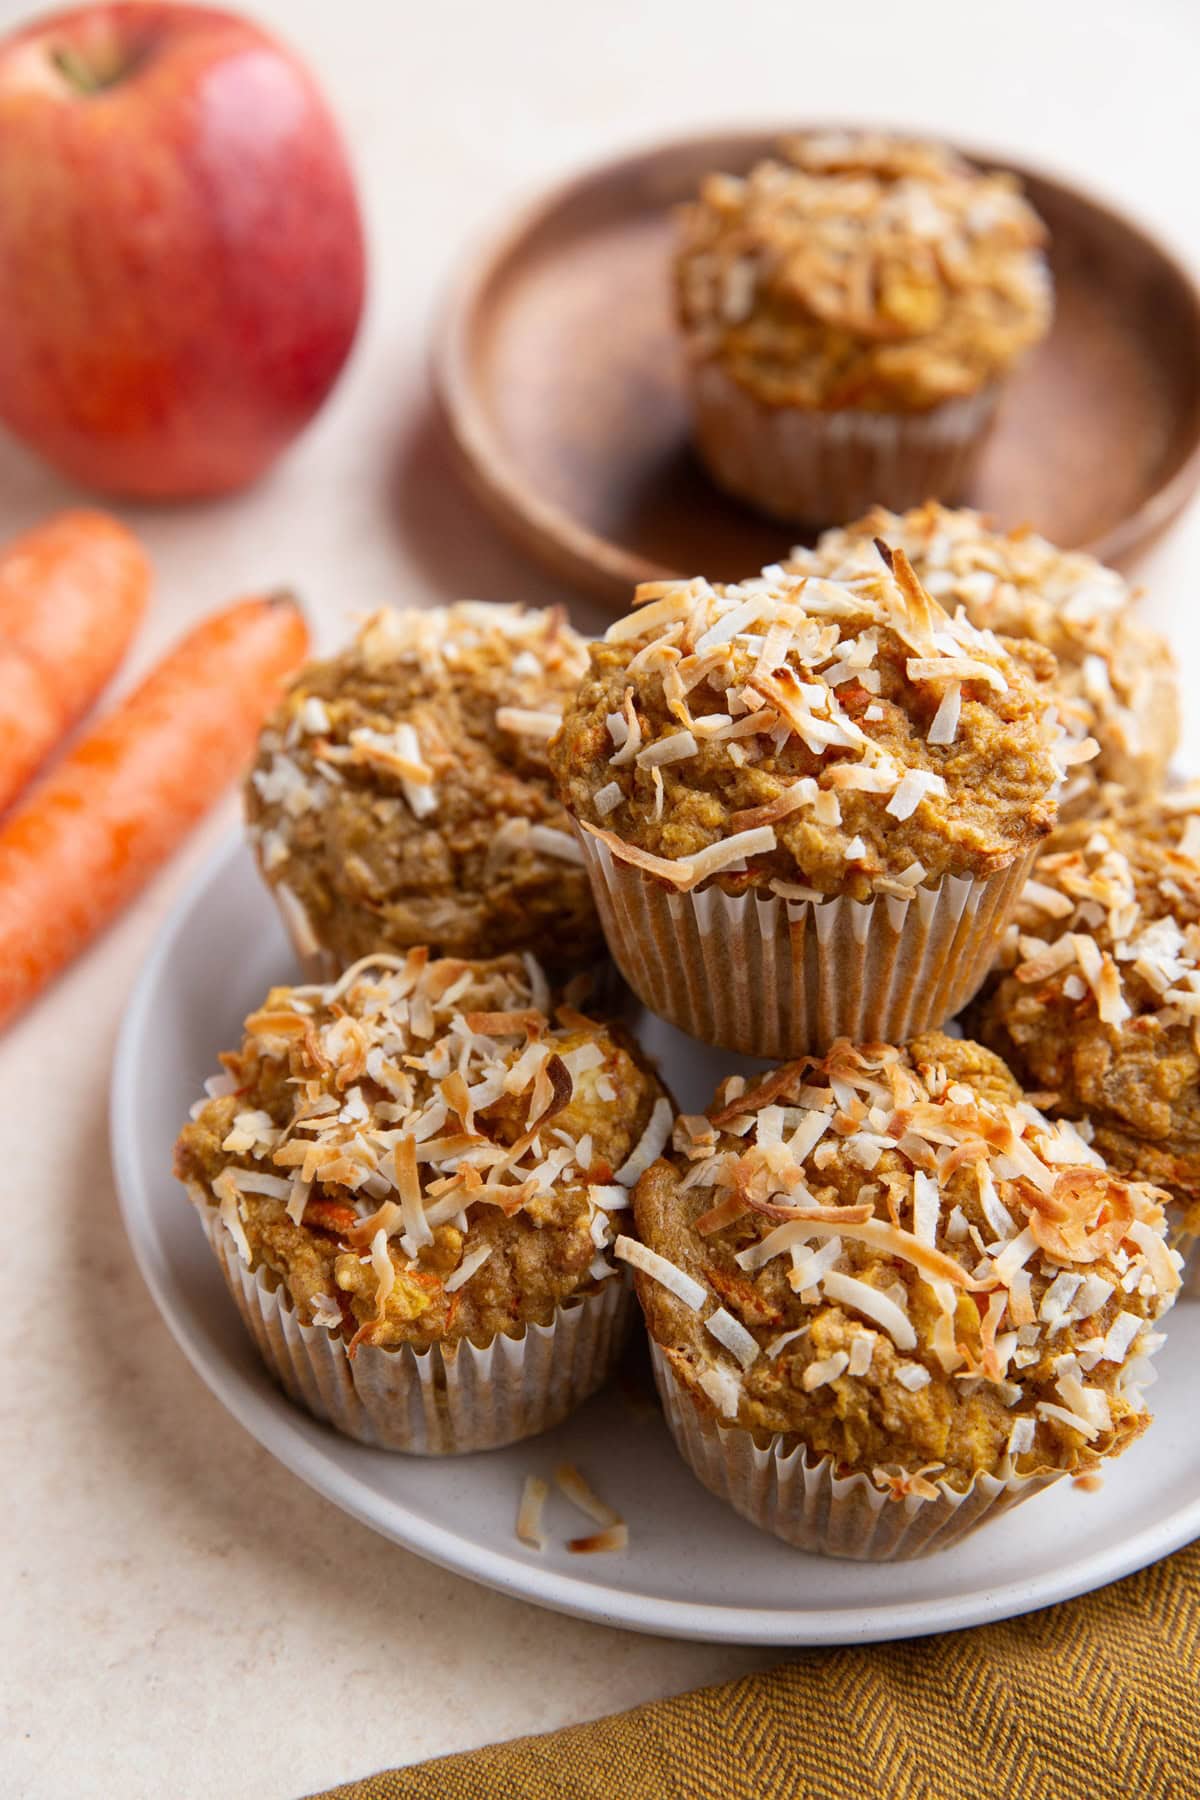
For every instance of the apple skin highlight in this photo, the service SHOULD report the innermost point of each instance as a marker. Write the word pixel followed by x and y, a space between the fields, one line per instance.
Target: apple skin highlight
pixel 182 264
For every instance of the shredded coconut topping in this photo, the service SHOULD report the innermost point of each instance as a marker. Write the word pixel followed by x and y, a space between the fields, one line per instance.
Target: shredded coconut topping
pixel 442 660
pixel 1112 919
pixel 862 270
pixel 422 1093
pixel 1051 1232
pixel 1116 677
pixel 774 673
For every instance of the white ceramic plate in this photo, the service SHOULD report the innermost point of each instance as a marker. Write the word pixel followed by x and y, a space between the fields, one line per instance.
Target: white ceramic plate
pixel 693 1568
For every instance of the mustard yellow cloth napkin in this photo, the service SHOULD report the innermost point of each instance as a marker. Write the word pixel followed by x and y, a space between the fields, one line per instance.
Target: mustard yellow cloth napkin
pixel 1097 1699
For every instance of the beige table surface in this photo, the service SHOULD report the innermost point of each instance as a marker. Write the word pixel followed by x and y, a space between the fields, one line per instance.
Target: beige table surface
pixel 179 1616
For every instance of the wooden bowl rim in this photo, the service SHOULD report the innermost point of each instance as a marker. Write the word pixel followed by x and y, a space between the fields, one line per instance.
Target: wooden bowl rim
pixel 574 551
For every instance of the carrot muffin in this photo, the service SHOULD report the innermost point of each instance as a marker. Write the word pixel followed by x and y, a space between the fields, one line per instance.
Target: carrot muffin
pixel 1098 1002
pixel 884 1276
pixel 849 314
pixel 401 794
pixel 1116 678
pixel 408 1177
pixel 747 762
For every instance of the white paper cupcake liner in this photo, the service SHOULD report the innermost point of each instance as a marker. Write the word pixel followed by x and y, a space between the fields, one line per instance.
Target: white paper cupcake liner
pixel 446 1401
pixel 801 1500
pixel 821 468
pixel 777 978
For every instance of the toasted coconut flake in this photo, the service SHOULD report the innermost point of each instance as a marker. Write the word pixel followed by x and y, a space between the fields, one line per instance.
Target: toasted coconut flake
pixel 226 1194
pixel 716 857
pixel 534 1493
pixel 649 1146
pixel 790 800
pixel 473 1260
pixel 1163 1264
pixel 562 845
pixel 646 619
pixel 913 1376
pixel 868 778
pixel 914 787
pixel 608 798
pixel 660 1269
pixel 298 923
pixel 1046 1409
pixel 741 1344
pixel 401 755
pixel 525 1023
pixel 723 1386
pixel 848 1291
pixel 877 1233
pixel 954 668
pixel 570 1482
pixel 629 746
pixel 553 1089
pixel 257 1181
pixel 385 1271
pixel 1047 899
pixel 718 1217
pixel 676 748
pixel 1120 1336
pixel 614 1537
pixel 1059 955
pixel 944 726
pixel 408 1183
pixel 901 1484
pixel 680 874
pixel 523 721
pixel 820 1374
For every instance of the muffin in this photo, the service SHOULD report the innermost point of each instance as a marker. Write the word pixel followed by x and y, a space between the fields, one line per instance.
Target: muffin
pixel 1097 1001
pixel 401 796
pixel 807 808
pixel 887 1299
pixel 1116 680
pixel 408 1178
pixel 849 314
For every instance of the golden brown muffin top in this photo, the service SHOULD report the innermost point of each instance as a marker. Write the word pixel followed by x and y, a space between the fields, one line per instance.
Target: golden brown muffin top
pixel 401 794
pixel 1098 1001
pixel 891 1255
pixel 862 271
pixel 809 737
pixel 1116 678
pixel 425 1150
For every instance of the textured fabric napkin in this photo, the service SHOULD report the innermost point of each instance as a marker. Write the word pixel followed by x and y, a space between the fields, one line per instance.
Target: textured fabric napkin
pixel 1092 1700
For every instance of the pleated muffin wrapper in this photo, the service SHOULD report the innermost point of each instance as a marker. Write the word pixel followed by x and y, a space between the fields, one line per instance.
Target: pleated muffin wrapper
pixel 449 1400
pixel 802 1500
pixel 781 978
pixel 809 467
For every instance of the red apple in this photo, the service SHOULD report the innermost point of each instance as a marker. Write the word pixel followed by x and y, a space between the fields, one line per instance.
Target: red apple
pixel 181 253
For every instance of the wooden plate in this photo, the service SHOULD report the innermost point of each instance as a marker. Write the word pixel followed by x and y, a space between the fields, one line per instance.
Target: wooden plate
pixel 558 374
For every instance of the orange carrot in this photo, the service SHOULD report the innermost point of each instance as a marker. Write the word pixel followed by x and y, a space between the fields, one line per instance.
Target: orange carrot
pixel 72 592
pixel 89 835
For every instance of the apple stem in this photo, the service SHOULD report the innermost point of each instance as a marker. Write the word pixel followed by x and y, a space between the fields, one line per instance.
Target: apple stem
pixel 73 68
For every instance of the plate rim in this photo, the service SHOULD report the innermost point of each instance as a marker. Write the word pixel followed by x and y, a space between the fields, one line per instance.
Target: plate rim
pixel 601 566
pixel 288 1435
